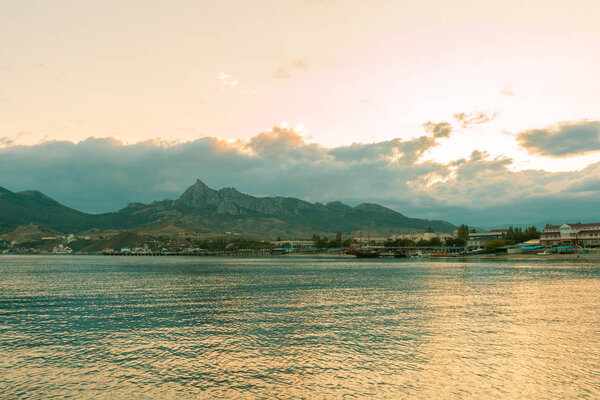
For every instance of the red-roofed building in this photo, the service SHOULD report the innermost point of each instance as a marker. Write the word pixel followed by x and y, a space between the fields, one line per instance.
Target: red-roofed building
pixel 587 235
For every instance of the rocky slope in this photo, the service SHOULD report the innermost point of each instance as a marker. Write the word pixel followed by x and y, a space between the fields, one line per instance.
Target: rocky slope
pixel 203 209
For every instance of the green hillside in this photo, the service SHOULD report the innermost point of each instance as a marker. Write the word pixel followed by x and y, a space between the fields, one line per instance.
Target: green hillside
pixel 202 210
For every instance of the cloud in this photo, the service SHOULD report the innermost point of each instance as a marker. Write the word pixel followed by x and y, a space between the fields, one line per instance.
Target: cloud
pixel 508 91
pixel 475 118
pixel 439 130
pixel 300 64
pixel 227 80
pixel 281 142
pixel 7 141
pixel 289 70
pixel 98 175
pixel 562 140
pixel 283 74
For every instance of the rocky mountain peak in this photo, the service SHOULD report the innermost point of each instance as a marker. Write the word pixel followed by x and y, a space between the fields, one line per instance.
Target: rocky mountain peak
pixel 201 207
pixel 199 185
pixel 199 195
pixel 230 192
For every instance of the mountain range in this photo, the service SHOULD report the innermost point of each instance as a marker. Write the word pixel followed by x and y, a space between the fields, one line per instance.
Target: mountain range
pixel 202 210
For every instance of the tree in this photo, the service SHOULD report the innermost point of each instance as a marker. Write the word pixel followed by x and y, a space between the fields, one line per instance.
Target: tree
pixel 518 235
pixel 510 236
pixel 400 243
pixel 391 243
pixel 338 239
pixel 463 231
pixel 494 244
pixel 456 242
pixel 320 242
pixel 422 243
pixel 407 243
pixel 435 241
pixel 532 233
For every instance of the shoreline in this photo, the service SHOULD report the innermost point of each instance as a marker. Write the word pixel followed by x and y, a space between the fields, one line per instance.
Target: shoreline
pixel 526 257
pixel 594 256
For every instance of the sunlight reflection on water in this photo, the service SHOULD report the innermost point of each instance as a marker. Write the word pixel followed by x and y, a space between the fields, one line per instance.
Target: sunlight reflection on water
pixel 100 327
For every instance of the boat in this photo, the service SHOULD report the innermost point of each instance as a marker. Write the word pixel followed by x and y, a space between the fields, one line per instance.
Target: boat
pixel 364 252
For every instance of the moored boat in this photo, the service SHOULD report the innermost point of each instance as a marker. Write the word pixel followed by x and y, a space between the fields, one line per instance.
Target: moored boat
pixel 364 252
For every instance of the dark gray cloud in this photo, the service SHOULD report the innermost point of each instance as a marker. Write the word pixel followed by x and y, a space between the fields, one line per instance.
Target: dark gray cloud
pixel 562 140
pixel 440 130
pixel 475 118
pixel 99 175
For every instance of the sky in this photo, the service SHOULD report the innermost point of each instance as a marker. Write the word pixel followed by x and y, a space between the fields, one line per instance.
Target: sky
pixel 486 112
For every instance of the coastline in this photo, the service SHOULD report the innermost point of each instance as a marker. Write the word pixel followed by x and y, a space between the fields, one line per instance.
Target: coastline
pixel 589 257
pixel 528 257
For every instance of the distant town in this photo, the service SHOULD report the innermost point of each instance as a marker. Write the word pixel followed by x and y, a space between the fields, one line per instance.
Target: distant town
pixel 225 222
pixel 565 239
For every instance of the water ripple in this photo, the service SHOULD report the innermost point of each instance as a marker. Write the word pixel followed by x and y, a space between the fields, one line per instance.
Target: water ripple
pixel 94 327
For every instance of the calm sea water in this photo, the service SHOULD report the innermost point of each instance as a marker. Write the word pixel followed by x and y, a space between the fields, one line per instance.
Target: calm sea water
pixel 117 327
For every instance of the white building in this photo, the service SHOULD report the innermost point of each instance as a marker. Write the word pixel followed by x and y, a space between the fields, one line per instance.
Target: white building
pixel 415 237
pixel 60 249
pixel 587 235
pixel 294 243
pixel 481 239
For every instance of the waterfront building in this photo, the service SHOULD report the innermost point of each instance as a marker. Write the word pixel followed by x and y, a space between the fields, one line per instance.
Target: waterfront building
pixel 481 239
pixel 586 235
pixel 294 243
pixel 61 249
pixel 415 237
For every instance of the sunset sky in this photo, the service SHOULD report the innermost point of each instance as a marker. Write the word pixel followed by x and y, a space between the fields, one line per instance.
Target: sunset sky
pixel 486 112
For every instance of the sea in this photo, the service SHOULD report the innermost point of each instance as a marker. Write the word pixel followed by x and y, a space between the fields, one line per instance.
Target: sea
pixel 94 327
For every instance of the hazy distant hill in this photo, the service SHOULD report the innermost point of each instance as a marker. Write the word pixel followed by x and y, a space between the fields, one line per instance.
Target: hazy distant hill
pixel 204 210
pixel 27 233
pixel 34 207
